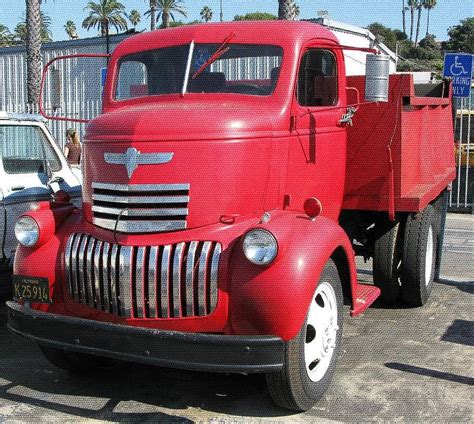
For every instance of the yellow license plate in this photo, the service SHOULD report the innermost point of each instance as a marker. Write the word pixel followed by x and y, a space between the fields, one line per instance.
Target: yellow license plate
pixel 31 289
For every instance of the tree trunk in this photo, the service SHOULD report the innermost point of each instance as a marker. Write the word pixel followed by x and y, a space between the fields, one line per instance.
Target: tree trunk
pixel 404 18
pixel 412 19
pixel 152 17
pixel 428 23
pixel 103 29
pixel 285 9
pixel 418 25
pixel 33 50
pixel 166 19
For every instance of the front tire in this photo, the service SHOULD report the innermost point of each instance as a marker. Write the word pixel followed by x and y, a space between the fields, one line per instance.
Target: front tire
pixel 311 356
pixel 419 256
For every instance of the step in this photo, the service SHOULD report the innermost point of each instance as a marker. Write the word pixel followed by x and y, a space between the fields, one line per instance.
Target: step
pixel 366 295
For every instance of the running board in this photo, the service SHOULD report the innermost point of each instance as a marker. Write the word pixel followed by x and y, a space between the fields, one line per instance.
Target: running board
pixel 366 295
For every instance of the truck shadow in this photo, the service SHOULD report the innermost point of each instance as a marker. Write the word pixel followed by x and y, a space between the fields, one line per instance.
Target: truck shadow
pixel 140 393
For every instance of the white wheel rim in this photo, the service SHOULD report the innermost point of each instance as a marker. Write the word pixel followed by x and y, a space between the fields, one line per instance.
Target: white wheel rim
pixel 321 332
pixel 429 256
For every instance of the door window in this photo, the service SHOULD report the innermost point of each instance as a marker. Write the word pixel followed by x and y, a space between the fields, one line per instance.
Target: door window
pixel 317 79
pixel 25 149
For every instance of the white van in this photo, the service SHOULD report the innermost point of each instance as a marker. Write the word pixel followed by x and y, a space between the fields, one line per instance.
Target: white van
pixel 32 168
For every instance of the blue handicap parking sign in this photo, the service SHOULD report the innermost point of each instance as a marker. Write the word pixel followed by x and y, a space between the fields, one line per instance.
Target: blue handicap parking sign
pixel 458 66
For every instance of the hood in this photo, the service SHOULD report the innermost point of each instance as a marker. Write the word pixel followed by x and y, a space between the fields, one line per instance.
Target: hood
pixel 188 119
pixel 227 167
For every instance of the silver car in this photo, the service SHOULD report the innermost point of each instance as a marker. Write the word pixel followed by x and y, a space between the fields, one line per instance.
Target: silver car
pixel 32 167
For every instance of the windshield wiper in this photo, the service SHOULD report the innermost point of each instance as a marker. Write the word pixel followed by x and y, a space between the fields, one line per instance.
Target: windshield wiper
pixel 216 55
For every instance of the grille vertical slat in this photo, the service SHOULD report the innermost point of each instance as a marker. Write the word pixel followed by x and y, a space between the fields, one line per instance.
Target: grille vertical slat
pixel 214 275
pixel 202 277
pixel 177 271
pixel 90 272
pixel 74 266
pixel 105 276
pixel 113 278
pixel 146 282
pixel 165 281
pixel 82 283
pixel 98 274
pixel 190 278
pixel 67 255
pixel 139 285
pixel 125 280
pixel 152 280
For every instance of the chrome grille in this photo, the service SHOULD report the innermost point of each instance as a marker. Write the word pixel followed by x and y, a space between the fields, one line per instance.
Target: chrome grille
pixel 140 208
pixel 171 281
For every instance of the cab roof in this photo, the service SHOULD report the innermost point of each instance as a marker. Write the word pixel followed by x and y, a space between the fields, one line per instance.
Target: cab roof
pixel 276 32
pixel 8 116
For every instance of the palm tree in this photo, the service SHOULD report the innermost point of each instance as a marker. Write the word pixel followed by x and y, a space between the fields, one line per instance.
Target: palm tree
pixel 419 6
pixel 295 11
pixel 428 5
pixel 33 50
pixel 285 9
pixel 166 10
pixel 104 14
pixel 134 17
pixel 6 38
pixel 71 30
pixel 206 13
pixel 151 12
pixel 404 9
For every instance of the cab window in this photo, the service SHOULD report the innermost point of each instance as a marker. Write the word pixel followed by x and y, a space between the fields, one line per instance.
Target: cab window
pixel 317 79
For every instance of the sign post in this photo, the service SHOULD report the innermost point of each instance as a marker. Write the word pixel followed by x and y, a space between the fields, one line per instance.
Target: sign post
pixel 458 67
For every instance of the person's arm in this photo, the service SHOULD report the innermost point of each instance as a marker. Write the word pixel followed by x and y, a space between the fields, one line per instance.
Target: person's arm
pixel 66 151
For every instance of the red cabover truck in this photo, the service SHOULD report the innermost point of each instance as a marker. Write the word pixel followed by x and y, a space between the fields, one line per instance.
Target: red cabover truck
pixel 226 194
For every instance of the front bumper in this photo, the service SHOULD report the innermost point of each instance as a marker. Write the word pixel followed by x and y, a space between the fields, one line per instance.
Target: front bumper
pixel 193 351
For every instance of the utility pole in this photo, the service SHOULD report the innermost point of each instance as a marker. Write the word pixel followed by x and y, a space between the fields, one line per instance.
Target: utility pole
pixel 222 13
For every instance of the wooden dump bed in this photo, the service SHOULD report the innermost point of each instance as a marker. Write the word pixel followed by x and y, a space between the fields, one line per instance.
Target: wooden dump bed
pixel 415 130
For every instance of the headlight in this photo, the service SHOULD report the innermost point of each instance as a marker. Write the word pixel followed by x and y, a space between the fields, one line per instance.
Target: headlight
pixel 260 247
pixel 27 231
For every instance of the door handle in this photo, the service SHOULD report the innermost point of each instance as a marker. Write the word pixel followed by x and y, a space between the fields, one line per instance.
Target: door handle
pixel 17 188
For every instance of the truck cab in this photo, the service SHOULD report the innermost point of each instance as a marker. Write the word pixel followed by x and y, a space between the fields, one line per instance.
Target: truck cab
pixel 212 235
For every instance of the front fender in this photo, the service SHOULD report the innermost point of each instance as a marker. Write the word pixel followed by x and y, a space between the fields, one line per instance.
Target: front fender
pixel 274 300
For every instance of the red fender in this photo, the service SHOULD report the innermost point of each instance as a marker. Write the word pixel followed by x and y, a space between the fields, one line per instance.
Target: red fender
pixel 274 300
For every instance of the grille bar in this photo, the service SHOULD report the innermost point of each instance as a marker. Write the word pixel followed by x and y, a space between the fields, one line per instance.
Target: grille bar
pixel 148 282
pixel 140 208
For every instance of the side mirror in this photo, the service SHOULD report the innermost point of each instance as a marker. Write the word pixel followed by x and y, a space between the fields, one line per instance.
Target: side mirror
pixel 377 71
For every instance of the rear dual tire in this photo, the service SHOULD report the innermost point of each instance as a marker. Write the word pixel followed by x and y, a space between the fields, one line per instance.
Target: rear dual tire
pixel 405 258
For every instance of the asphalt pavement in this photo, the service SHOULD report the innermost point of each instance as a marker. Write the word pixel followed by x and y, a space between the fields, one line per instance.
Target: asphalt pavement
pixel 408 365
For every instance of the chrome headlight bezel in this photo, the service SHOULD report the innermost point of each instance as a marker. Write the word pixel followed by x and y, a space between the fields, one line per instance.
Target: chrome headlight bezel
pixel 260 247
pixel 27 231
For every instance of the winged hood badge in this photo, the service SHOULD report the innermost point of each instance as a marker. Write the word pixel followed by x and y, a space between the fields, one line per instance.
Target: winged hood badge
pixel 132 158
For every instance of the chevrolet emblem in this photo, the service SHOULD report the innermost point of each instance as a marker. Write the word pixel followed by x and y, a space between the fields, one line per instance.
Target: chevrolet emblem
pixel 132 158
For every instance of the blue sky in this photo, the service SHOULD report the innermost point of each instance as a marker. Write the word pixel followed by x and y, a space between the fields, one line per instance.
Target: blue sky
pixel 362 12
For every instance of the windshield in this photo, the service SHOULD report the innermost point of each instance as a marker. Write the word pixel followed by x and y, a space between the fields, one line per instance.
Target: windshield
pixel 243 69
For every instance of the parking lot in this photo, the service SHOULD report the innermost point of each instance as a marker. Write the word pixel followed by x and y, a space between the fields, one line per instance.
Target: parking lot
pixel 396 364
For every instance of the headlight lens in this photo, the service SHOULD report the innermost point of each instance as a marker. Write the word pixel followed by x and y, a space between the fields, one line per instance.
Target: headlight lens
pixel 260 247
pixel 27 231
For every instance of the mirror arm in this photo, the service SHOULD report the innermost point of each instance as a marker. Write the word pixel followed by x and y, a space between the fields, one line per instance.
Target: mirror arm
pixel 43 81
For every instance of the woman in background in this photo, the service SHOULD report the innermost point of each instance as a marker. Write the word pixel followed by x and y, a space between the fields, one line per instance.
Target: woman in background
pixel 72 149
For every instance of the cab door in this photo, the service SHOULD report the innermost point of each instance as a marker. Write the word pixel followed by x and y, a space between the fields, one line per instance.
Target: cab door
pixel 317 153
pixel 26 160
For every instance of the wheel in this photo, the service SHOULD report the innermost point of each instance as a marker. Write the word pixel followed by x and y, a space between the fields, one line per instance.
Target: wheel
pixel 311 356
pixel 419 253
pixel 388 261
pixel 77 363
